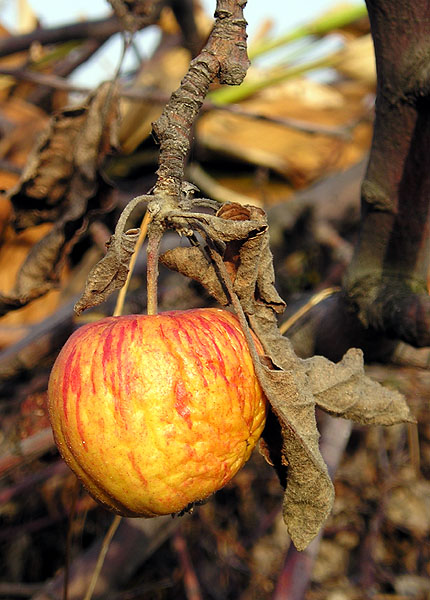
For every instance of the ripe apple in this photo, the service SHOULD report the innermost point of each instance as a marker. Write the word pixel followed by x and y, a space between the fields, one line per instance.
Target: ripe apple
pixel 156 412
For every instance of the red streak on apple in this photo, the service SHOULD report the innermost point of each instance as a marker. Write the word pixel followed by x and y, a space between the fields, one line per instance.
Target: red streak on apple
pixel 181 403
pixel 134 464
pixel 156 412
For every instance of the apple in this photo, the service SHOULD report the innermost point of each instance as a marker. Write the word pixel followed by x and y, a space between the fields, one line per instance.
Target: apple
pixel 153 413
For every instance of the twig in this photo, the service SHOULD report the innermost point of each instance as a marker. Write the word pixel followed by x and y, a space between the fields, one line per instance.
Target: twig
pixel 51 81
pixel 342 131
pixel 30 481
pixel 28 449
pixel 99 29
pixel 69 538
pixel 224 57
pixel 19 590
pixel 65 67
pixel 102 555
pixel 191 583
pixel 184 13
pixel 414 448
pixel 135 541
pixel 313 301
pixel 123 291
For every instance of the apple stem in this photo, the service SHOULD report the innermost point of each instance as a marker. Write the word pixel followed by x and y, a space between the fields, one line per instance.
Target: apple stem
pixel 155 234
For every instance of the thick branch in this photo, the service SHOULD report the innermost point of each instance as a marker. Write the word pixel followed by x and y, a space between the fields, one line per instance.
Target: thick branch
pixel 387 277
pixel 224 57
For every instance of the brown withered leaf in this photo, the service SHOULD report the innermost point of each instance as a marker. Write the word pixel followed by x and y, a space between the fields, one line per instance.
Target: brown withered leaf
pixel 214 227
pixel 255 276
pixel 10 302
pixel 110 273
pixel 193 263
pixel 344 390
pixel 309 492
pixel 64 162
pixel 61 184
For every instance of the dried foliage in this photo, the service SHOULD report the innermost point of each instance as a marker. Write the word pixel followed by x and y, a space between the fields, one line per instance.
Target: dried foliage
pixel 63 187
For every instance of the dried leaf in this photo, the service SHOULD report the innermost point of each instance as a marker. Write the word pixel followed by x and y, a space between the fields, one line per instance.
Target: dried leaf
pixel 192 263
pixel 215 228
pixel 266 278
pixel 37 268
pixel 60 179
pixel 344 390
pixel 22 124
pixel 110 273
pixel 255 277
pixel 64 162
pixel 14 302
pixel 309 493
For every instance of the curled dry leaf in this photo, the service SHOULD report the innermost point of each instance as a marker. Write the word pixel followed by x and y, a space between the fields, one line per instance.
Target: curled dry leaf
pixel 214 227
pixel 344 390
pixel 193 263
pixel 309 493
pixel 59 181
pixel 110 273
pixel 65 161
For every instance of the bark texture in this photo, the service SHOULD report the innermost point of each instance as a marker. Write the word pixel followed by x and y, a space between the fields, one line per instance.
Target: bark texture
pixel 387 279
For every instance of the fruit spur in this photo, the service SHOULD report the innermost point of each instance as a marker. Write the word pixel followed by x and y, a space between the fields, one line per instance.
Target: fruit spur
pixel 154 413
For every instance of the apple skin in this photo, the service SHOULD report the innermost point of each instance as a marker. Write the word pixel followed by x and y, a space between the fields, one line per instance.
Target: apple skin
pixel 153 413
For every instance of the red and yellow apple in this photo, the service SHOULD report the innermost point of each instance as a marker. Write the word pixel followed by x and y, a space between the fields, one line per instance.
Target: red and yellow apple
pixel 153 413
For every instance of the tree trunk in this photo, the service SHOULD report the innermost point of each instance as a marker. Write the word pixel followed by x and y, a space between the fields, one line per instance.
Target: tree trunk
pixel 387 279
pixel 385 306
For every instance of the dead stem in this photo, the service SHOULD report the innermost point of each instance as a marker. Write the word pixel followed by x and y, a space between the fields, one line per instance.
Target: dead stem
pixel 414 448
pixel 100 560
pixel 191 583
pixel 316 299
pixel 123 291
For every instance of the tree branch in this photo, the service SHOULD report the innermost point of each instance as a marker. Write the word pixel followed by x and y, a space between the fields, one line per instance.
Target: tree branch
pixel 100 29
pixel 224 57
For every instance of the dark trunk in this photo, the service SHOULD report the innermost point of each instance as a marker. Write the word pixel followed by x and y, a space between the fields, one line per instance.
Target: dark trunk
pixel 388 276
pixel 386 285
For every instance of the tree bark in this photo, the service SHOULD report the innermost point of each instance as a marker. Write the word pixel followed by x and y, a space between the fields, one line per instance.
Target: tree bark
pixel 387 279
pixel 384 306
